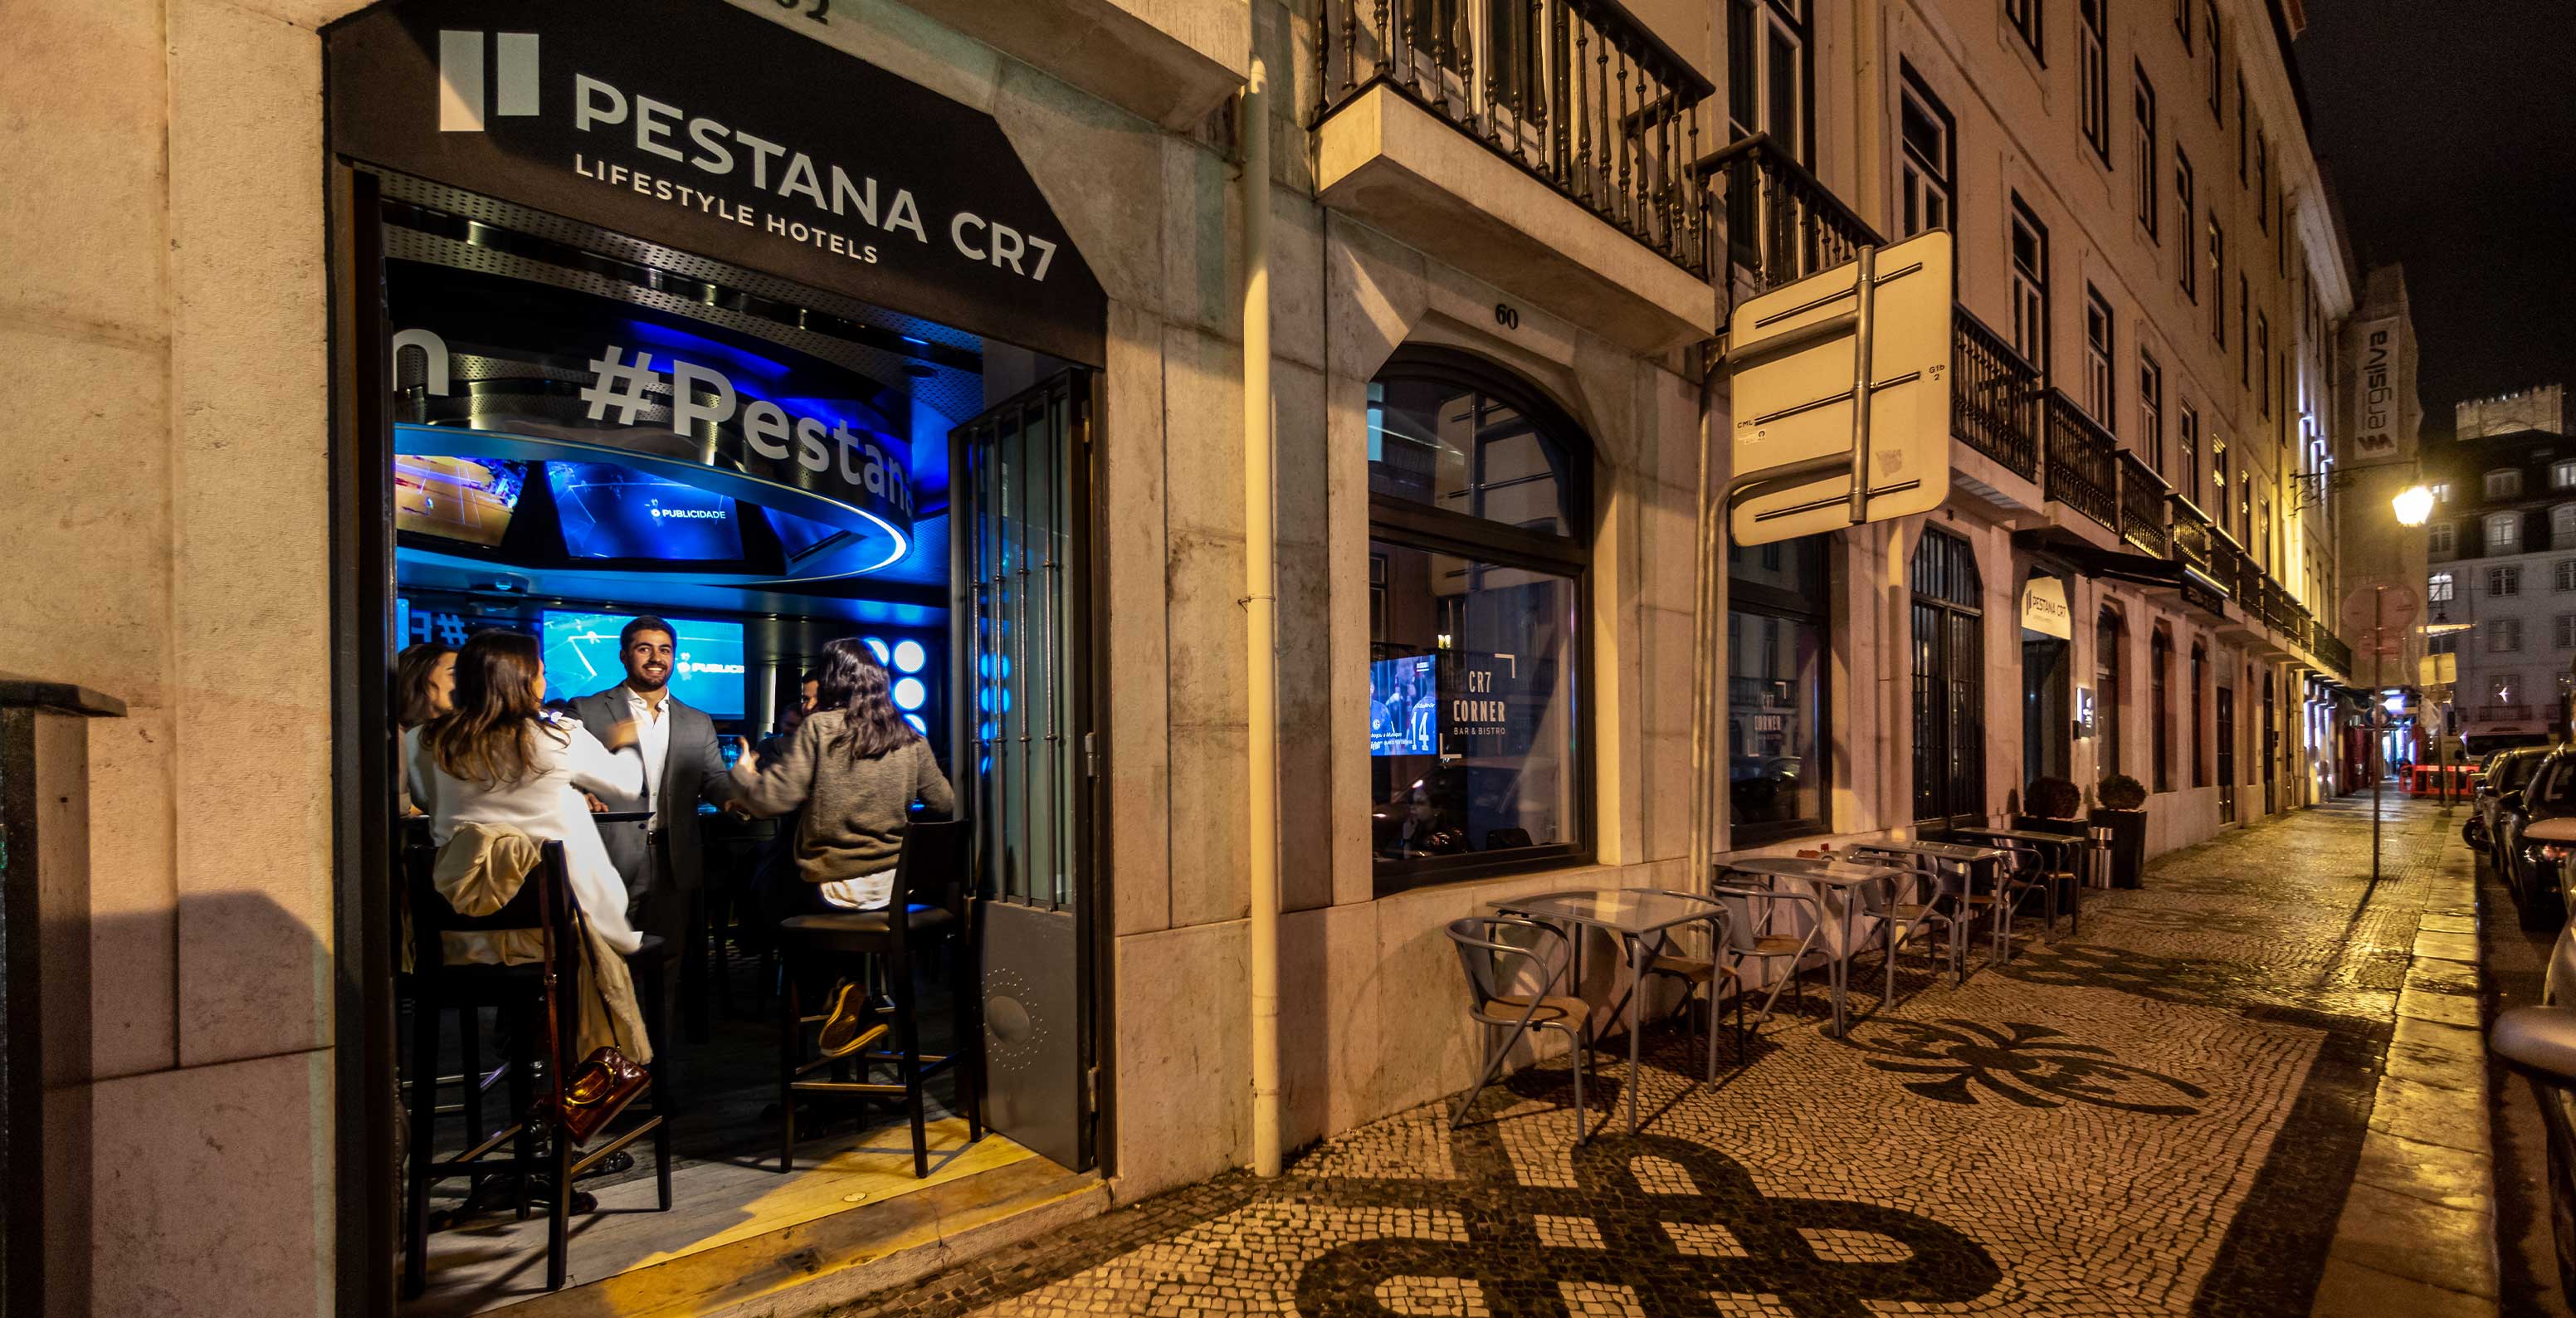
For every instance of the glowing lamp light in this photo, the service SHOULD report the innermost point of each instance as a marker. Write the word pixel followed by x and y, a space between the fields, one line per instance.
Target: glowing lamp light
pixel 878 648
pixel 909 656
pixel 2414 505
pixel 909 693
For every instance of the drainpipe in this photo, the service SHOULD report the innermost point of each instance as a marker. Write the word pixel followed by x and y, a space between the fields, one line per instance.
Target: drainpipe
pixel 1261 620
pixel 1708 710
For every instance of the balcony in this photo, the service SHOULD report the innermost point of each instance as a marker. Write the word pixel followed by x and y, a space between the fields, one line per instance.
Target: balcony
pixel 2336 654
pixel 2190 535
pixel 2083 462
pixel 2226 563
pixel 1782 224
pixel 1548 151
pixel 1994 397
pixel 2142 505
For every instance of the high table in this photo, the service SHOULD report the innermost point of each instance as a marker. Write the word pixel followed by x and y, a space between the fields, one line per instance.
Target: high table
pixel 1634 915
pixel 1839 882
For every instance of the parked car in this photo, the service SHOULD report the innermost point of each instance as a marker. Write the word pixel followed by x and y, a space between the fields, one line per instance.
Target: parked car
pixel 2506 777
pixel 2539 1043
pixel 2473 830
pixel 2529 861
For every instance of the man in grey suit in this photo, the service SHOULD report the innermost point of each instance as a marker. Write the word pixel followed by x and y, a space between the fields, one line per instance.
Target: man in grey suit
pixel 660 858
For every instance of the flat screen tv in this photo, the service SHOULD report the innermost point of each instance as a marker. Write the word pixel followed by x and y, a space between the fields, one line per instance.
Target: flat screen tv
pixel 610 511
pixel 468 499
pixel 1404 706
pixel 706 666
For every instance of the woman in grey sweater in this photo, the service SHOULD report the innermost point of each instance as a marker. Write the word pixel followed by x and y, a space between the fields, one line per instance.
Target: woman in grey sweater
pixel 855 768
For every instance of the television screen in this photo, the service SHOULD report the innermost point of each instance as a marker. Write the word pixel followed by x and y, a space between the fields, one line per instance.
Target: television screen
pixel 468 499
pixel 618 512
pixel 798 534
pixel 1404 706
pixel 706 666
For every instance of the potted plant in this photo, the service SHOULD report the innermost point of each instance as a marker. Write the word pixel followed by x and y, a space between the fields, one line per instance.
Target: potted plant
pixel 2123 811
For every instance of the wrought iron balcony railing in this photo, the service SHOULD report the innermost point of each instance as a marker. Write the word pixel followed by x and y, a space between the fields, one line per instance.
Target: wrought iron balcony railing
pixel 1782 224
pixel 2142 505
pixel 2083 462
pixel 2189 534
pixel 2227 563
pixel 1578 93
pixel 2338 656
pixel 1994 396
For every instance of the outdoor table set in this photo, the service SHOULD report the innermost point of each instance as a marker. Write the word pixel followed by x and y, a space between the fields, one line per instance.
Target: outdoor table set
pixel 1900 887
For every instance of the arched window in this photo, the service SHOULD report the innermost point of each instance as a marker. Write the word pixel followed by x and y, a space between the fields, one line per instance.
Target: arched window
pixel 2199 714
pixel 1479 524
pixel 2159 706
pixel 2108 636
pixel 1949 679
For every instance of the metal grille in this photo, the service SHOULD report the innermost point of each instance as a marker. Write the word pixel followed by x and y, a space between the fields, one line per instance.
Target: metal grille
pixel 1949 680
pixel 1012 465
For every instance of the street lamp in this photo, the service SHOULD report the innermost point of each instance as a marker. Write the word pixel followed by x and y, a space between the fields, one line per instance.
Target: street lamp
pixel 2414 505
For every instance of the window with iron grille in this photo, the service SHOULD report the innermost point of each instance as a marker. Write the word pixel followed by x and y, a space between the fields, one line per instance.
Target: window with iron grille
pixel 1930 159
pixel 2093 77
pixel 2100 395
pixel 1949 679
pixel 2025 18
pixel 2030 286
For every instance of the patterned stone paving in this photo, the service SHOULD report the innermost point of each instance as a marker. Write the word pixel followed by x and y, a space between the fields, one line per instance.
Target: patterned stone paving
pixel 2155 1116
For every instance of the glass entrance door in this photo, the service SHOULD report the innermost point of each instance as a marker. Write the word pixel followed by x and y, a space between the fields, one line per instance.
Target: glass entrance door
pixel 1021 544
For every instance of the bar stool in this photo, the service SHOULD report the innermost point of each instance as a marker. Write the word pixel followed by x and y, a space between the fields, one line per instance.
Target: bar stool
pixel 929 906
pixel 439 986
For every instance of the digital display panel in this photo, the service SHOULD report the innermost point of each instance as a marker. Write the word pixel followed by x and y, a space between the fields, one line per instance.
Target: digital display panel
pixel 1404 706
pixel 798 534
pixel 706 668
pixel 468 499
pixel 610 511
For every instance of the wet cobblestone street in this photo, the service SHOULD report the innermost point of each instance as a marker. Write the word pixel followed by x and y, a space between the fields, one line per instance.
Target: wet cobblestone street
pixel 2160 1115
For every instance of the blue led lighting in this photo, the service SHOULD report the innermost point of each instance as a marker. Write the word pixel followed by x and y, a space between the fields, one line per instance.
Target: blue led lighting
pixel 909 693
pixel 909 656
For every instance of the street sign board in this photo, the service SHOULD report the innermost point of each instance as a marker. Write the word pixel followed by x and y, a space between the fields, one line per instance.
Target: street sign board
pixel 1794 359
pixel 2380 602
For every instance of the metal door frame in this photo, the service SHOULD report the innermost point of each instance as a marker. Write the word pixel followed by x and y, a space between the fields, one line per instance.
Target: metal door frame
pixel 1960 790
pixel 1087 698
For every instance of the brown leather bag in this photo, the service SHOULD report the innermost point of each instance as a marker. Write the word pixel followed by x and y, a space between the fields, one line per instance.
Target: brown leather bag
pixel 590 1095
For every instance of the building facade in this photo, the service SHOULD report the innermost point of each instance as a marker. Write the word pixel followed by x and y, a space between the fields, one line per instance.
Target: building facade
pixel 2501 582
pixel 1493 287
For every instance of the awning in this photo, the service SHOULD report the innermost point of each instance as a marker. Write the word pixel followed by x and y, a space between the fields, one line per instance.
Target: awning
pixel 2094 561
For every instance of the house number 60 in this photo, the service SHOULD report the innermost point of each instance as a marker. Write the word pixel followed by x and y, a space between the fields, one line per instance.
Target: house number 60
pixel 1507 316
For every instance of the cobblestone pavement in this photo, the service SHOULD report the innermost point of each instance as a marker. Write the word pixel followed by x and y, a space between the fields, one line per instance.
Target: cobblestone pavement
pixel 2159 1115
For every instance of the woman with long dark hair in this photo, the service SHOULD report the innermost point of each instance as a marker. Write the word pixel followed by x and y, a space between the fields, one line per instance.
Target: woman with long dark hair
pixel 855 768
pixel 499 758
pixel 424 687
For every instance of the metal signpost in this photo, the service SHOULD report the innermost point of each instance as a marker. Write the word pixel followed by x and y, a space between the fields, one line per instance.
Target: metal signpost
pixel 2379 607
pixel 1840 385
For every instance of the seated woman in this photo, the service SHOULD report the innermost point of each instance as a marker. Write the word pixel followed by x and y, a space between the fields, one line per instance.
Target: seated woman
pixel 855 767
pixel 498 758
pixel 424 687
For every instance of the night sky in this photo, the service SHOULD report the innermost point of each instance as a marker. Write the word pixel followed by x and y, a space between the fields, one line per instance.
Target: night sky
pixel 2449 130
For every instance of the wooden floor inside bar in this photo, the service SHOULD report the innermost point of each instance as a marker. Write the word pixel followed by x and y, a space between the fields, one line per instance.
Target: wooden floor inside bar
pixel 850 1201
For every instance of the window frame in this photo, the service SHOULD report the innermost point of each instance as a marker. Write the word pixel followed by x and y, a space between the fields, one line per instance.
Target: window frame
pixel 1940 176
pixel 2217 280
pixel 2029 20
pixel 2093 77
pixel 2160 653
pixel 1756 601
pixel 2187 438
pixel 2263 351
pixel 2101 360
pixel 2217 63
pixel 2031 341
pixel 1424 527
pixel 2504 635
pixel 2151 409
pixel 2439 538
pixel 2186 209
pixel 2566 636
pixel 2512 480
pixel 2142 113
pixel 2562 526
pixel 2504 581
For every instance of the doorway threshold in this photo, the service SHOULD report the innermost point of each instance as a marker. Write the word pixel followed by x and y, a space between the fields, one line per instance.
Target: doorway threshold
pixel 831 1232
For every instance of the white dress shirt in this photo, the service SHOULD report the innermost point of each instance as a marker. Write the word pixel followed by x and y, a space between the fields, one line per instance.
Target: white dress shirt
pixel 653 737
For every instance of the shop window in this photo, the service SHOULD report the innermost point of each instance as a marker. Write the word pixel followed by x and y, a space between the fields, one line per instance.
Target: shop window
pixel 1949 679
pixel 1478 757
pixel 1776 730
pixel 1930 159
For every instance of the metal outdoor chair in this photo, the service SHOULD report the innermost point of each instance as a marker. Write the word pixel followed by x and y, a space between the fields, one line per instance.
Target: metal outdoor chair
pixel 1925 894
pixel 1668 960
pixel 1493 965
pixel 1752 915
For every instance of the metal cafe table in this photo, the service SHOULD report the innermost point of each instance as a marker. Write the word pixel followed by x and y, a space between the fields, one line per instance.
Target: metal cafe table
pixel 1838 883
pixel 2073 843
pixel 1634 915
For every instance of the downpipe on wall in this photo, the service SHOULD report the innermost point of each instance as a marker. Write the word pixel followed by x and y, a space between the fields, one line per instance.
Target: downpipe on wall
pixel 1261 620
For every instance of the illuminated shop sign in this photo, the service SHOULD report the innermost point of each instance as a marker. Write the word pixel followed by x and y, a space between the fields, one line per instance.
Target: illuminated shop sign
pixel 717 131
